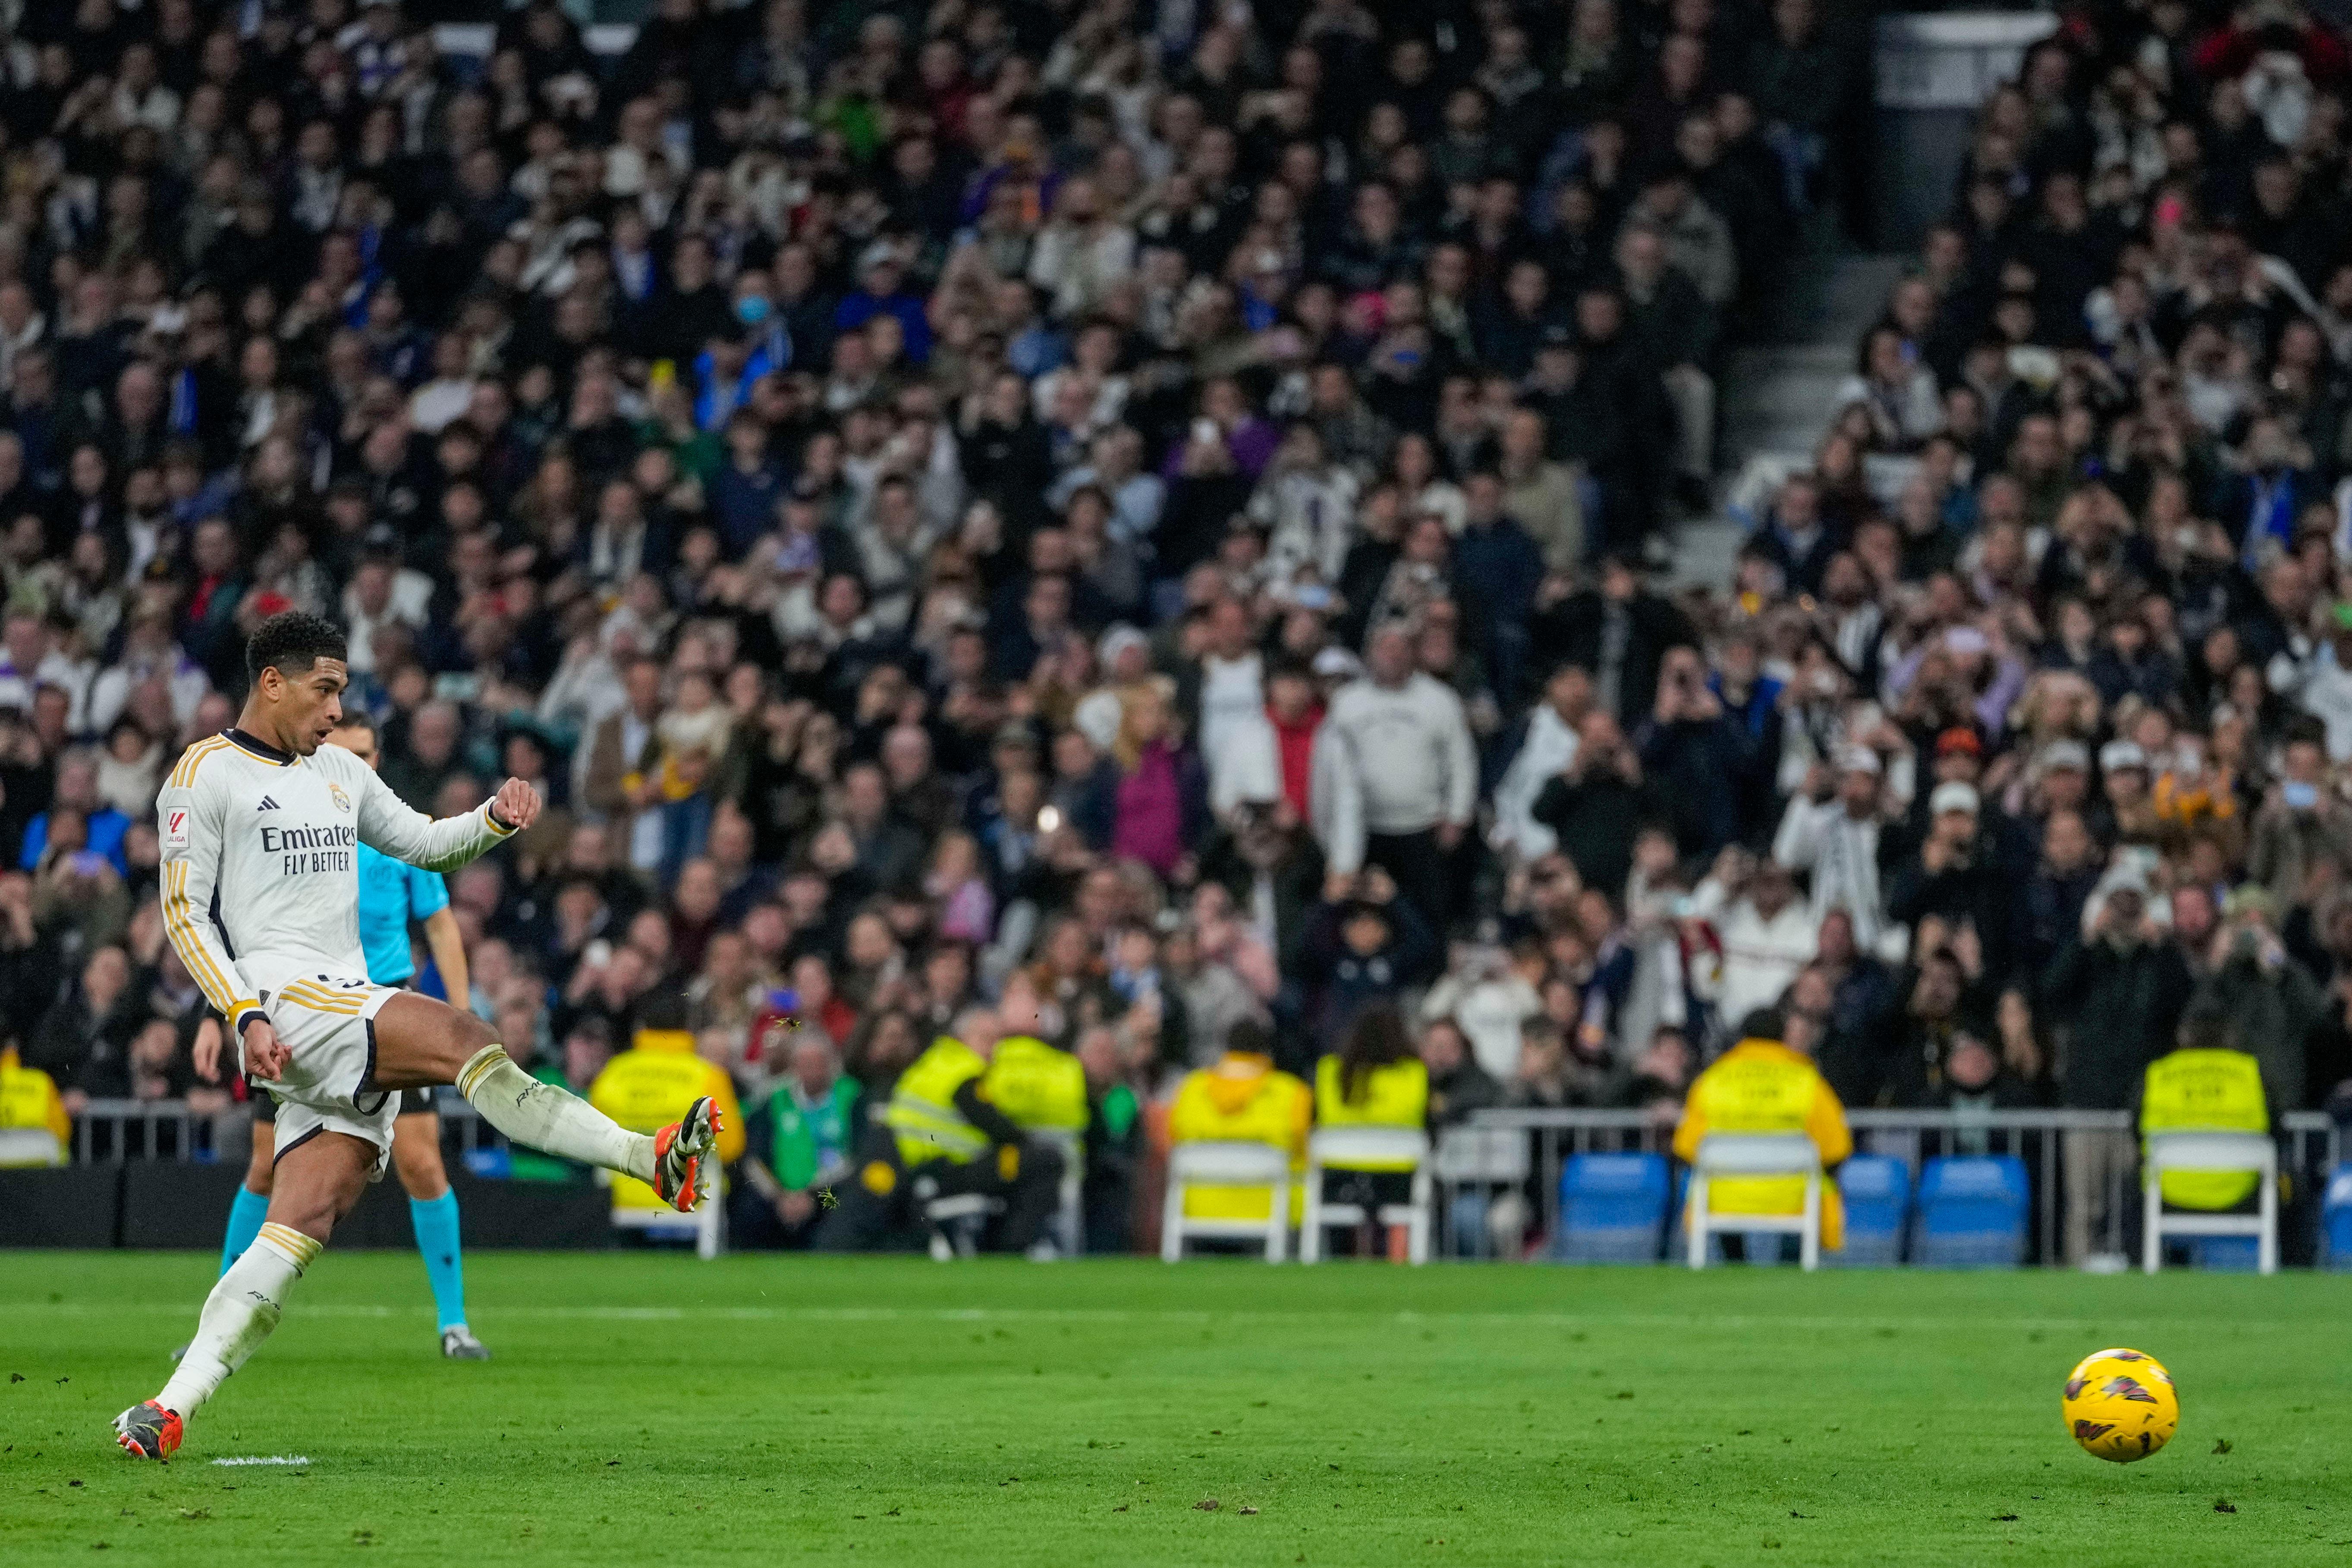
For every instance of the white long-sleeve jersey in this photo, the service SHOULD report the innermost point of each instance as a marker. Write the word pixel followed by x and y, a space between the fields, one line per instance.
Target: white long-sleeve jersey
pixel 260 880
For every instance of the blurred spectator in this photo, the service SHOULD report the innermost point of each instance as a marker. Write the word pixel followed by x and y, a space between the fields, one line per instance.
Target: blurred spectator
pixel 1404 773
pixel 2120 990
pixel 797 1146
pixel 1767 936
pixel 1458 1086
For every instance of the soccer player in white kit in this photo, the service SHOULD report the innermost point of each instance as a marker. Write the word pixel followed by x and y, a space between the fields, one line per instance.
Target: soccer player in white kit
pixel 261 826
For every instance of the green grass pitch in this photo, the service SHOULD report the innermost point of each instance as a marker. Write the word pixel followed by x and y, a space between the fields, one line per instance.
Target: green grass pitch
pixel 645 1407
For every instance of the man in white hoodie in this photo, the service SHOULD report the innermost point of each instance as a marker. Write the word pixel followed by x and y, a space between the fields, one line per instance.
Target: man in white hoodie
pixel 1767 936
pixel 1549 747
pixel 1399 741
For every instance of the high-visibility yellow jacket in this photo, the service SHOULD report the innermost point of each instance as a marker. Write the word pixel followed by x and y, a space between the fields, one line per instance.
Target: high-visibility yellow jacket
pixel 2205 1092
pixel 922 1109
pixel 29 1097
pixel 1035 1085
pixel 1396 1095
pixel 1242 1100
pixel 649 1086
pixel 1762 1085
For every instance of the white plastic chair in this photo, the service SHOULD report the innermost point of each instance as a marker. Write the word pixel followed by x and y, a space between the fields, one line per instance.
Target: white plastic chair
pixel 2248 1151
pixel 1226 1164
pixel 1757 1154
pixel 1356 1148
pixel 708 1222
pixel 956 1222
pixel 21 1146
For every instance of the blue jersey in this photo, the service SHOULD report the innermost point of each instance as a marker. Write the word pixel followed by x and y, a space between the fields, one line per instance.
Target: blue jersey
pixel 392 892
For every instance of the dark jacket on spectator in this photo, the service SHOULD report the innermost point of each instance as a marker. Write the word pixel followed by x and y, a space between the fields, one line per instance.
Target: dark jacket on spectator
pixel 2122 1005
pixel 2270 1014
pixel 1596 818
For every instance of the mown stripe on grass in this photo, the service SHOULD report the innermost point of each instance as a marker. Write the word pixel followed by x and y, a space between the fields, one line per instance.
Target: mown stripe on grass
pixel 1727 1320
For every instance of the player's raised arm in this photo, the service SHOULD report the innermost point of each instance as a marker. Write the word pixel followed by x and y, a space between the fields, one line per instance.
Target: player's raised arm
pixel 390 824
pixel 188 818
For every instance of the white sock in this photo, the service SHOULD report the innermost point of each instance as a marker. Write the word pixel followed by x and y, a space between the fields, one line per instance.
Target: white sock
pixel 546 1117
pixel 243 1308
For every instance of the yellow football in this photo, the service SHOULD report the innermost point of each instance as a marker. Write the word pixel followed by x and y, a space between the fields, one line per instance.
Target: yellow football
pixel 2120 1405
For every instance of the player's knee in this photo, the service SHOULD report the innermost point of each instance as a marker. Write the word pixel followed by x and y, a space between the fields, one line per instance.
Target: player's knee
pixel 472 1034
pixel 463 1037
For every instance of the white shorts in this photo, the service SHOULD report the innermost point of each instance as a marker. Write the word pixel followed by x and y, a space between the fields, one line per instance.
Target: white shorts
pixel 329 1029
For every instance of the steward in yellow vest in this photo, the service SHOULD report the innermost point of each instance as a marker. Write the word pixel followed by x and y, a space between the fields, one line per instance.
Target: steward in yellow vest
pixel 650 1085
pixel 1390 1094
pixel 1376 1081
pixel 1036 1086
pixel 29 1097
pixel 2205 1088
pixel 1762 1085
pixel 946 1136
pixel 1242 1099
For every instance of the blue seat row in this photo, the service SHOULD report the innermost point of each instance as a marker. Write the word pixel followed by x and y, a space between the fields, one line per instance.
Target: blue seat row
pixel 1972 1211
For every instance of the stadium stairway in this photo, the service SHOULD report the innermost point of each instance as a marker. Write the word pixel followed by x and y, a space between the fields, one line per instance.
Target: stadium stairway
pixel 1780 394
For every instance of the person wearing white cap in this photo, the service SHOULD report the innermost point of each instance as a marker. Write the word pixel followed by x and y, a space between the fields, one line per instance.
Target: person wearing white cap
pixel 2062 776
pixel 2126 808
pixel 2122 991
pixel 1831 830
pixel 1959 874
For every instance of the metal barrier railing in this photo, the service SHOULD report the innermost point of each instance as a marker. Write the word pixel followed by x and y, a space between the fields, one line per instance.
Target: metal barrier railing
pixel 2037 1137
pixel 110 1131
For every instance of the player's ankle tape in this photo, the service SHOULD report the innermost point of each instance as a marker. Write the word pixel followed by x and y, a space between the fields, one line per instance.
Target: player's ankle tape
pixel 298 1249
pixel 482 1063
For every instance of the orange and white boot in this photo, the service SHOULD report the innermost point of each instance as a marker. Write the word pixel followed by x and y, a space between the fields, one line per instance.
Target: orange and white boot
pixel 679 1151
pixel 148 1431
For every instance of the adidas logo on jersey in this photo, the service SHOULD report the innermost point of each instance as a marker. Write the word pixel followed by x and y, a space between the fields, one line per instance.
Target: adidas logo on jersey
pixel 266 804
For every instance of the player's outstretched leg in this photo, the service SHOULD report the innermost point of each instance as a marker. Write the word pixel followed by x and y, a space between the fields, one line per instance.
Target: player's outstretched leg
pixel 315 1185
pixel 421 1042
pixel 433 1212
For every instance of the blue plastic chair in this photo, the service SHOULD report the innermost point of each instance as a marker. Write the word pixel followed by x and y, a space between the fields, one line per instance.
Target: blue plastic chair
pixel 1877 1192
pixel 2224 1254
pixel 1613 1208
pixel 1972 1212
pixel 2336 1221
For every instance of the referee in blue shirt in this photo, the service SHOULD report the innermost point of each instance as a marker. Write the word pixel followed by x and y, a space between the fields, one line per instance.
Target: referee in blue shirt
pixel 392 893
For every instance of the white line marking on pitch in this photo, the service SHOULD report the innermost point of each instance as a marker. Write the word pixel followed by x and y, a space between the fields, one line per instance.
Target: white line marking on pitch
pixel 264 1460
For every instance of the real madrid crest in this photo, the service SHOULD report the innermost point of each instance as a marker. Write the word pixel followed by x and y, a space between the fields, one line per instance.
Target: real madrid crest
pixel 343 800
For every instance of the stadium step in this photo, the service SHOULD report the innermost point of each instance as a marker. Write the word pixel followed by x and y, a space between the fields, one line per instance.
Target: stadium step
pixel 1779 395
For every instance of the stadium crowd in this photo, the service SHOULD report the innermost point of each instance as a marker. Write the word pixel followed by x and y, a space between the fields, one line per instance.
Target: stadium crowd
pixel 1147 523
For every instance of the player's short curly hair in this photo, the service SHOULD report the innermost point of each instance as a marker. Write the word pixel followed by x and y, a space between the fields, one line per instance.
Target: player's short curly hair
pixel 292 641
